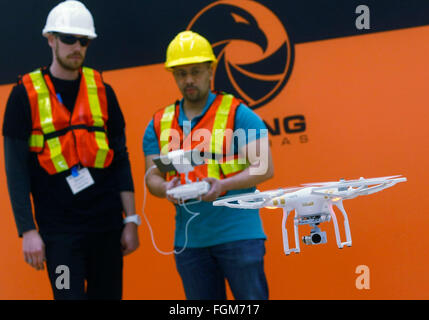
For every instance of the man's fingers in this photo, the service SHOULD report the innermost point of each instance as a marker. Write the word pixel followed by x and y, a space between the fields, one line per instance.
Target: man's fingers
pixel 174 183
pixel 27 258
pixel 214 190
pixel 33 249
pixel 129 239
pixel 39 259
pixel 124 250
pixel 127 249
pixel 35 259
pixel 172 199
pixel 211 196
pixel 124 247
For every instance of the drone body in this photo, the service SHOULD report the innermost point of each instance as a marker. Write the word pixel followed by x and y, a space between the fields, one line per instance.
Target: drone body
pixel 313 204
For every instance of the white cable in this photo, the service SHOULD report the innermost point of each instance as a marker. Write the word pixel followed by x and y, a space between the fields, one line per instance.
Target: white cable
pixel 194 214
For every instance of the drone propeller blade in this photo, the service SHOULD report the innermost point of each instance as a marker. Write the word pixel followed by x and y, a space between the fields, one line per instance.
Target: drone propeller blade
pixel 326 192
pixel 287 190
pixel 342 181
pixel 345 190
pixel 361 182
pixel 252 200
pixel 251 196
pixel 318 184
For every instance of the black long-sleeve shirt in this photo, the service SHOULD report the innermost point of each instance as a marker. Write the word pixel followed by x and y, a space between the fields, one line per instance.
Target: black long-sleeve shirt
pixel 56 209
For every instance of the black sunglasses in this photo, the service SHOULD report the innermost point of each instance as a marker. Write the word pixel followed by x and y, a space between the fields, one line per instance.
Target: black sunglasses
pixel 69 39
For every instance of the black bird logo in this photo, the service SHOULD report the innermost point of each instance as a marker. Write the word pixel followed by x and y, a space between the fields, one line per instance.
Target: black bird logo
pixel 253 49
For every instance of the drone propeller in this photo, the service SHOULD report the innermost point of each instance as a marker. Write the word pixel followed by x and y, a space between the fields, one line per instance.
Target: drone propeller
pixel 252 199
pixel 342 186
pixel 368 181
pixel 346 190
pixel 257 195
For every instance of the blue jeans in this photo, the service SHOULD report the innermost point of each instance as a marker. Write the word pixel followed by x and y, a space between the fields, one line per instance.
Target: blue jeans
pixel 204 270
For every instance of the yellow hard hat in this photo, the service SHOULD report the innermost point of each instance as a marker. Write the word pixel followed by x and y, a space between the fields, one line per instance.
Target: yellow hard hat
pixel 188 47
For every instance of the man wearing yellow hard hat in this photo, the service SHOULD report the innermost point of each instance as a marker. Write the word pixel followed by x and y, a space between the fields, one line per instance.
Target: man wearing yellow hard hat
pixel 219 243
pixel 64 141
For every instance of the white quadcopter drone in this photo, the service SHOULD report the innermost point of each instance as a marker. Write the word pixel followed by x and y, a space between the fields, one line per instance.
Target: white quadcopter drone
pixel 313 204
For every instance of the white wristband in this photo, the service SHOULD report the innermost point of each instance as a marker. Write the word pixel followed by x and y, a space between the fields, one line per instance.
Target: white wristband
pixel 135 218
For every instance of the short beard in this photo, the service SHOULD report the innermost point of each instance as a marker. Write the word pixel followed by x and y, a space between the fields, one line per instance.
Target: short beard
pixel 195 98
pixel 65 65
pixel 199 96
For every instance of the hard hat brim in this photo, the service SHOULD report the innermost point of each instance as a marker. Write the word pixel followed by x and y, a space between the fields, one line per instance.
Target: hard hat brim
pixel 190 60
pixel 75 31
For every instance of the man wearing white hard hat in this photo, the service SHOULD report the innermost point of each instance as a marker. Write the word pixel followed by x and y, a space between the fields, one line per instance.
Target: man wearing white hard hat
pixel 64 144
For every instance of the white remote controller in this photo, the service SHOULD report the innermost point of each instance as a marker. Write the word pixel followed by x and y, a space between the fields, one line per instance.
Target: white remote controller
pixel 189 190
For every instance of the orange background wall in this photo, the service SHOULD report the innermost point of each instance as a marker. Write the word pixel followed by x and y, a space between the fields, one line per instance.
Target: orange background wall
pixel 365 101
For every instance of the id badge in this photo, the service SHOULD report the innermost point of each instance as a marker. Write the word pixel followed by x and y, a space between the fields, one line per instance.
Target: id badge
pixel 80 180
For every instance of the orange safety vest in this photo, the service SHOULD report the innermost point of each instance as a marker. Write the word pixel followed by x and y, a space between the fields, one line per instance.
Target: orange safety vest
pixel 213 134
pixel 63 139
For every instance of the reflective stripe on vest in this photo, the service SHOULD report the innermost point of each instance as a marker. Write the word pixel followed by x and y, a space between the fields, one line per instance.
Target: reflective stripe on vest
pixel 216 146
pixel 61 139
pixel 218 132
pixel 94 105
pixel 166 121
pixel 46 121
pixel 36 141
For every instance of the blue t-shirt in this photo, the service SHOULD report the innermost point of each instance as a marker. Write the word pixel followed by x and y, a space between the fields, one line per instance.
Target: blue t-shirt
pixel 215 225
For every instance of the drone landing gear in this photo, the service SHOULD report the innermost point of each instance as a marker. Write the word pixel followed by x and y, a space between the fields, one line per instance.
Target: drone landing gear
pixel 285 236
pixel 316 235
pixel 340 244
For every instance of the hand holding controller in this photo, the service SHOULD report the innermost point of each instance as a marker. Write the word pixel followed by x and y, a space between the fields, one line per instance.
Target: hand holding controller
pixel 189 191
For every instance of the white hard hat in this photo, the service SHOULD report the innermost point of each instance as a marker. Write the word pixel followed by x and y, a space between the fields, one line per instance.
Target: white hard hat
pixel 71 17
